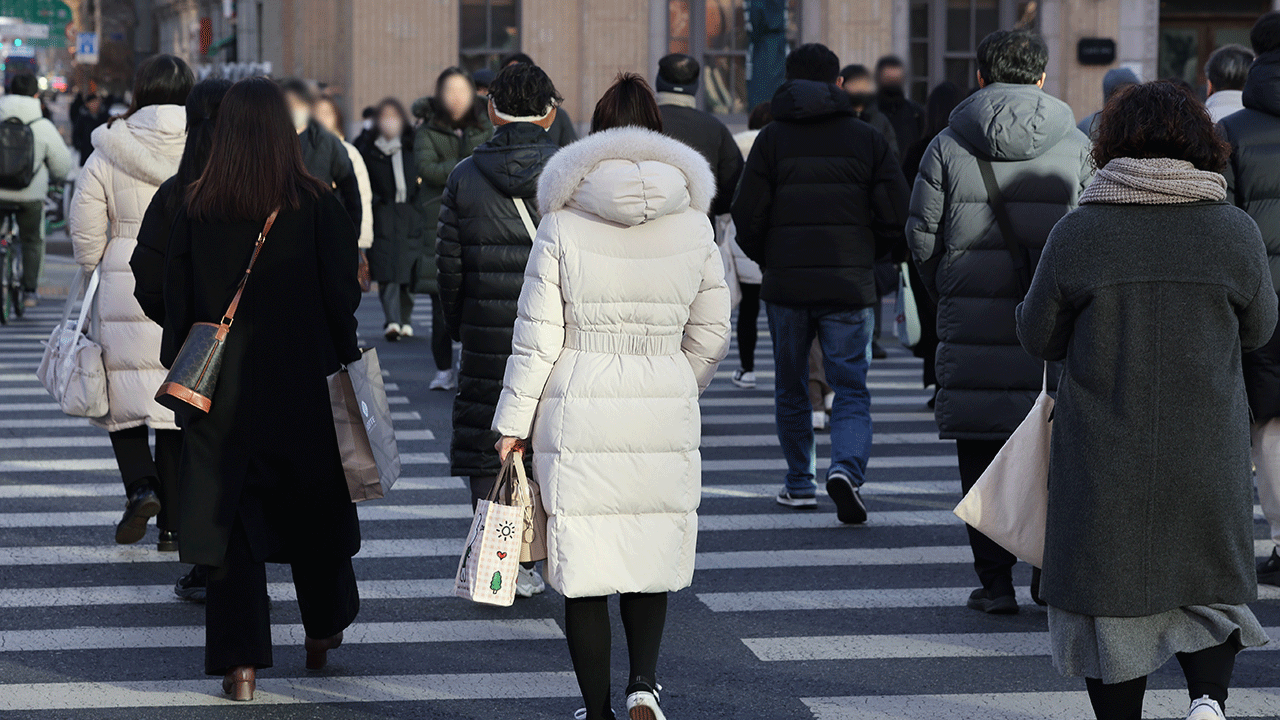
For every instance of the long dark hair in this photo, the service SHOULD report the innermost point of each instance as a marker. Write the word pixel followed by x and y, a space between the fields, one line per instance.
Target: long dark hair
pixel 473 117
pixel 628 101
pixel 255 165
pixel 942 100
pixel 161 80
pixel 202 116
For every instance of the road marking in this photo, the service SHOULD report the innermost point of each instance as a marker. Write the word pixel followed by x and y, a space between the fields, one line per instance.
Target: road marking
pixel 768 401
pixel 864 599
pixel 950 488
pixel 719 441
pixel 876 463
pixel 770 418
pixel 163 594
pixel 68 490
pixel 23 391
pixel 1245 703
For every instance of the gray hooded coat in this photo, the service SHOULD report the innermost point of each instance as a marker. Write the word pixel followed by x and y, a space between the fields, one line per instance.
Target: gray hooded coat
pixel 987 382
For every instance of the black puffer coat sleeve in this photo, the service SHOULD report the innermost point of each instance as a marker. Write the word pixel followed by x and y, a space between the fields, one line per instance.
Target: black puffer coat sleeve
pixel 890 198
pixel 449 258
pixel 753 202
pixel 728 171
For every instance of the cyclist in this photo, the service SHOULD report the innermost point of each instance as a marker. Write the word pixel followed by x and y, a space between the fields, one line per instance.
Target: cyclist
pixel 52 163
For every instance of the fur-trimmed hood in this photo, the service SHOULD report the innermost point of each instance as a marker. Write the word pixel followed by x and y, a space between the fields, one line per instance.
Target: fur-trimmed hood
pixel 148 145
pixel 627 175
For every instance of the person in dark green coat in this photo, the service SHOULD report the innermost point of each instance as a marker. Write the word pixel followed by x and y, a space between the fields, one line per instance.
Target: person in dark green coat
pixel 454 122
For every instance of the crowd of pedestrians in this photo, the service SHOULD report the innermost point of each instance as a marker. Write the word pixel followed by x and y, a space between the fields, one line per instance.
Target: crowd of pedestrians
pixel 1129 262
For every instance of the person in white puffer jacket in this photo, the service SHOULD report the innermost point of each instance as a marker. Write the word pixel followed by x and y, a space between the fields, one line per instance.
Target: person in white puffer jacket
pixel 623 320
pixel 131 157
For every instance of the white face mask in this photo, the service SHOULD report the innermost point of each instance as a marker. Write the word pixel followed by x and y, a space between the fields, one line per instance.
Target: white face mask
pixel 300 118
pixel 390 127
pixel 368 123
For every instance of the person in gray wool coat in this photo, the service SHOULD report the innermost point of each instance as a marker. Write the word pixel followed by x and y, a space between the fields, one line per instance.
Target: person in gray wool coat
pixel 1149 293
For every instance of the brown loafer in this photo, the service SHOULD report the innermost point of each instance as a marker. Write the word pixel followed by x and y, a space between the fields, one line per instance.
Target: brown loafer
pixel 240 682
pixel 318 650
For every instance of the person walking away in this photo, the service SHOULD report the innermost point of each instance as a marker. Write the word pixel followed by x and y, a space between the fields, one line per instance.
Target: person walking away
pixel 322 152
pixel 249 496
pixel 1149 542
pixel 816 230
pixel 482 250
pixel 562 131
pixel 454 123
pixel 132 156
pixel 1036 165
pixel 482 79
pixel 85 119
pixel 603 381
pixel 942 100
pixel 906 116
pixel 681 119
pixel 1226 73
pixel 1113 82
pixel 52 164
pixel 1253 185
pixel 748 271
pixel 398 233
pixel 329 117
pixel 148 266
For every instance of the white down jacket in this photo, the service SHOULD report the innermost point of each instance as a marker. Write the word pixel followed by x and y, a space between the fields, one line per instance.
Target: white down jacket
pixel 623 319
pixel 130 159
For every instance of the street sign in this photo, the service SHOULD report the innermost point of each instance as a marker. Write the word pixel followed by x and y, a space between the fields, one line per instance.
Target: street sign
pixel 19 51
pixel 24 30
pixel 87 48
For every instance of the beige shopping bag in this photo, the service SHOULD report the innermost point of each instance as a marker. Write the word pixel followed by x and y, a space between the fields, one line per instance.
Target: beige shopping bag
pixel 1010 502
pixel 491 557
pixel 362 421
pixel 534 539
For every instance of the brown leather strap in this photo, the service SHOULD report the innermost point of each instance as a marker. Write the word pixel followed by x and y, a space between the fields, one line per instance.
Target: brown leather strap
pixel 230 315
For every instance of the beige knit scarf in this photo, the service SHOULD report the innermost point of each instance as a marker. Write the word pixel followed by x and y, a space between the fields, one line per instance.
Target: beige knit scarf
pixel 1153 181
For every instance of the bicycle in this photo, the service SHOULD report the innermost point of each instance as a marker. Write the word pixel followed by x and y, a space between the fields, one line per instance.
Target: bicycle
pixel 11 290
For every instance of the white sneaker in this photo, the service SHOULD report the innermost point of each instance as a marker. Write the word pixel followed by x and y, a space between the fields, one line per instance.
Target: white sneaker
pixel 391 332
pixel 445 380
pixel 819 420
pixel 643 705
pixel 1206 708
pixel 744 379
pixel 406 330
pixel 529 583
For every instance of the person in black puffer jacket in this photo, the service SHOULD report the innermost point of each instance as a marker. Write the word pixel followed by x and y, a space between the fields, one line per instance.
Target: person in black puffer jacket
pixel 481 251
pixel 322 151
pixel 702 131
pixel 1253 184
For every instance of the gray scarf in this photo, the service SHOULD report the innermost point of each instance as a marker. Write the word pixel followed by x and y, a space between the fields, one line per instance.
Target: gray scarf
pixel 1153 181
pixel 392 147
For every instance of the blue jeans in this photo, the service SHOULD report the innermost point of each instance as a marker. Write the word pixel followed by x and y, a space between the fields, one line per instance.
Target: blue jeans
pixel 845 336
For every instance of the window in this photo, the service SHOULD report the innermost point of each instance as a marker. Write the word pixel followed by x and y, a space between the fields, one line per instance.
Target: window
pixel 944 34
pixel 487 30
pixel 719 34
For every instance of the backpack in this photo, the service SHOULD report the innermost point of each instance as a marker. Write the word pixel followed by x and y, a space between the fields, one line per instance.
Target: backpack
pixel 17 154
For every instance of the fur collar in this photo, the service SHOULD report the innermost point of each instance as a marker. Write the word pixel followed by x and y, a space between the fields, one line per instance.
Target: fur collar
pixel 566 169
pixel 148 145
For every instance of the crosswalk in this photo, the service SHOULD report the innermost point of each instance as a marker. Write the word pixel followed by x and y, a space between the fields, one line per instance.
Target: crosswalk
pixel 835 621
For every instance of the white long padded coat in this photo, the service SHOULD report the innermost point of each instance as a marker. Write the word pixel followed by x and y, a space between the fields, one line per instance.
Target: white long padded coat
pixel 623 319
pixel 130 159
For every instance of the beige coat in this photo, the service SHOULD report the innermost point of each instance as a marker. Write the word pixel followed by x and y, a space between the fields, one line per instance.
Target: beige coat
pixel 623 319
pixel 130 159
pixel 366 195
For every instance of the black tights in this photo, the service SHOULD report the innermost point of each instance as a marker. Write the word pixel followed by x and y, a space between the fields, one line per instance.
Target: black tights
pixel 1208 672
pixel 587 628
pixel 748 328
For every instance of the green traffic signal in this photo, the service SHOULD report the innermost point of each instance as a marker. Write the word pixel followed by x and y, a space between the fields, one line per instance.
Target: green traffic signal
pixel 17 42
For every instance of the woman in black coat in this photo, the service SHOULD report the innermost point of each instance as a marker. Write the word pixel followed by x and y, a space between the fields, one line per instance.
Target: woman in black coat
pixel 262 477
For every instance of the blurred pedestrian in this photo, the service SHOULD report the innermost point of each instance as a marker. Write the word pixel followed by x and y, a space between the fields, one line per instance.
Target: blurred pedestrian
pixel 455 122
pixel 399 235
pixel 1113 82
pixel 605 374
pixel 562 131
pixel 747 270
pixel 1253 184
pixel 132 156
pixel 990 188
pixel 482 79
pixel 262 475
pixel 86 118
pixel 904 114
pixel 322 151
pixel 1226 73
pixel 329 116
pixel 368 127
pixel 1149 547
pixel 817 240
pixel 681 119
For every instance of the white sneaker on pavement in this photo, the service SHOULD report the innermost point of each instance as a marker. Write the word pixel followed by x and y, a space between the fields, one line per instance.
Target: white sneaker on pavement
pixel 786 499
pixel 391 332
pixel 819 420
pixel 406 330
pixel 1206 708
pixel 643 705
pixel 445 380
pixel 529 583
pixel 744 379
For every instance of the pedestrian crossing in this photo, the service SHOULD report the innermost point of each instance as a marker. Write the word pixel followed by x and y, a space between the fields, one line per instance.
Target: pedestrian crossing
pixel 844 622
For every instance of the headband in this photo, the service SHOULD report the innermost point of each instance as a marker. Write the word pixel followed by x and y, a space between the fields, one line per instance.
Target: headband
pixel 516 118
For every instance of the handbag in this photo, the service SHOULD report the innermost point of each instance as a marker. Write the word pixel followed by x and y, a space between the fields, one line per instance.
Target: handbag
pixel 533 546
pixel 71 368
pixel 906 315
pixel 491 557
pixel 188 388
pixel 1010 502
pixel 362 422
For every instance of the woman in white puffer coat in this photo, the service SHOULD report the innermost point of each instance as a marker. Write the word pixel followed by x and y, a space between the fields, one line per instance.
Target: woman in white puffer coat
pixel 131 157
pixel 623 319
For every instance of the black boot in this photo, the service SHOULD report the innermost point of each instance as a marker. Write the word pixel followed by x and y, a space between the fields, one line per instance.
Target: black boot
pixel 1035 587
pixel 168 541
pixel 142 506
pixel 192 585
pixel 1269 569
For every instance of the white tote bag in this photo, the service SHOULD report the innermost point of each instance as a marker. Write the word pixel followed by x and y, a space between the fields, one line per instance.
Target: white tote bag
pixel 1010 502
pixel 491 557
pixel 72 369
pixel 906 316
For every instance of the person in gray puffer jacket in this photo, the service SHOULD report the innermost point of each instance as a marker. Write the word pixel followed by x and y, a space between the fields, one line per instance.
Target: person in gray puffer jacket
pixel 1040 163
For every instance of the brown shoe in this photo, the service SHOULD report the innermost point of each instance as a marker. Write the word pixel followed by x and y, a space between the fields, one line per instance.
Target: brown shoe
pixel 240 682
pixel 318 650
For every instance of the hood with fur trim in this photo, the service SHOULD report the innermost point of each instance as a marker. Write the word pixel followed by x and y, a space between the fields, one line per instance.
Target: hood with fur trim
pixel 627 175
pixel 148 145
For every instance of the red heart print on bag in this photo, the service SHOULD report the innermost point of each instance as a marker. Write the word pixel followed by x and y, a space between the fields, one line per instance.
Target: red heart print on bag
pixel 502 555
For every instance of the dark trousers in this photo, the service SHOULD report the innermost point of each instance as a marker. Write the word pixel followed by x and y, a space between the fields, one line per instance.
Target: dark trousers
pixel 1208 672
pixel 138 468
pixel 237 615
pixel 748 329
pixel 586 626
pixel 993 563
pixel 441 343
pixel 30 217
pixel 397 303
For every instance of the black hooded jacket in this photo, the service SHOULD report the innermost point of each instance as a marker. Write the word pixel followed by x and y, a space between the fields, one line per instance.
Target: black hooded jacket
pixel 821 198
pixel 327 159
pixel 1253 184
pixel 481 251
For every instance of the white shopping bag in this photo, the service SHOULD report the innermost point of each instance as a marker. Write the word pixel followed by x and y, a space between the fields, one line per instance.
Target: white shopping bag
pixel 71 368
pixel 491 557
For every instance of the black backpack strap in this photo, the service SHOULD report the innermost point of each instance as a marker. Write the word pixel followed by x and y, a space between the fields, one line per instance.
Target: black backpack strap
pixel 996 200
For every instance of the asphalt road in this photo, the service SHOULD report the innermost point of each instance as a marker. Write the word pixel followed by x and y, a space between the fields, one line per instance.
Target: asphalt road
pixel 790 616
